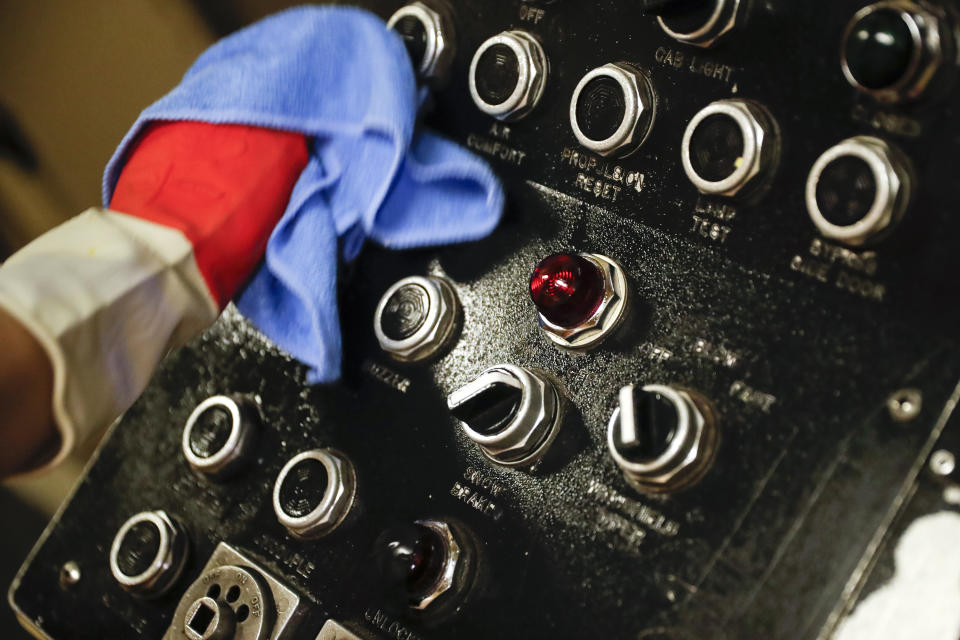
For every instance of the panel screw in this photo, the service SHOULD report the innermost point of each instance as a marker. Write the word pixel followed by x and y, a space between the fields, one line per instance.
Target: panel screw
pixel 69 574
pixel 904 405
pixel 943 463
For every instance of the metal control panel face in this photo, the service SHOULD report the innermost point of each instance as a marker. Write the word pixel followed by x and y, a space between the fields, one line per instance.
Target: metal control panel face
pixel 737 457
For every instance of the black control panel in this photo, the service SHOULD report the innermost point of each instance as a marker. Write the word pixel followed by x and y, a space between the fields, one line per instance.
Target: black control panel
pixel 696 385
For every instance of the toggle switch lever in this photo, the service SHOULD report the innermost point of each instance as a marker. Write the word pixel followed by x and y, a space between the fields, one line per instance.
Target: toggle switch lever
pixel 512 413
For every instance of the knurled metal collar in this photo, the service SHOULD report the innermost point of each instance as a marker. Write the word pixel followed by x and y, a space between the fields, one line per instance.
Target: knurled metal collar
pixel 168 561
pixel 532 67
pixel 640 108
pixel 337 499
pixel 436 328
pixel 892 177
pixel 758 131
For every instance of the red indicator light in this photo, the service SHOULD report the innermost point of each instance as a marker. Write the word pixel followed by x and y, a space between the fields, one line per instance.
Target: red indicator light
pixel 567 289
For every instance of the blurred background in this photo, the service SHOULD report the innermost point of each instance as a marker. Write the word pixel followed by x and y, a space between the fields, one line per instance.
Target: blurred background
pixel 73 78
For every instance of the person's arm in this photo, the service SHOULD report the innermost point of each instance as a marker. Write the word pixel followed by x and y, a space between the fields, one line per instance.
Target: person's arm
pixel 93 306
pixel 28 435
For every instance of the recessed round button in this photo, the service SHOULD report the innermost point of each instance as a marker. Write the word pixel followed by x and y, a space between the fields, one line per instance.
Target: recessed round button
pixel 859 190
pixel 698 22
pixel 314 492
pixel 148 553
pixel 406 312
pixel 417 318
pixel 601 108
pixel 730 148
pixel 892 50
pixel 661 437
pixel 612 109
pixel 498 71
pixel 508 75
pixel 427 31
pixel 219 436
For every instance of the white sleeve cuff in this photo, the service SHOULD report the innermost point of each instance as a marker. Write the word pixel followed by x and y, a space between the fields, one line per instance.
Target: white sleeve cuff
pixel 107 295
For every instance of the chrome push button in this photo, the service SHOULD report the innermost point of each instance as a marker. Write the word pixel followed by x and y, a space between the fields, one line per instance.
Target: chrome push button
pixel 859 190
pixel 508 75
pixel 219 436
pixel 893 50
pixel 148 554
pixel 613 109
pixel 314 492
pixel 699 22
pixel 730 148
pixel 428 33
pixel 417 318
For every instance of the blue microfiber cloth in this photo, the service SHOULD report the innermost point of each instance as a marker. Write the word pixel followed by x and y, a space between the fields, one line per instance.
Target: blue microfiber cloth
pixel 339 75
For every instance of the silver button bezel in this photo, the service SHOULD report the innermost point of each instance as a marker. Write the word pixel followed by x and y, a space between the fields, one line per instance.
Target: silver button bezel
pixel 165 567
pixel 438 26
pixel 756 138
pixel 637 100
pixel 927 51
pixel 532 67
pixel 890 200
pixel 231 451
pixel 337 500
pixel 721 21
pixel 437 328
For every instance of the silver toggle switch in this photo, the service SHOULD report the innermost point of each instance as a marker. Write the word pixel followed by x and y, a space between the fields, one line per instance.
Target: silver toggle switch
pixel 511 412
pixel 859 190
pixel 427 30
pixel 219 436
pixel 416 318
pixel 662 438
pixel 314 492
pixel 508 75
pixel 148 554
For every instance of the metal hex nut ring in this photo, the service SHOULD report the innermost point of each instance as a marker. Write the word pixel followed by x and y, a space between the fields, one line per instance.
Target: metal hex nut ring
pixel 605 319
pixel 721 22
pixel 927 34
pixel 451 560
pixel 695 442
pixel 533 69
pixel 437 23
pixel 760 146
pixel 640 110
pixel 532 429
pixel 437 329
pixel 338 498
